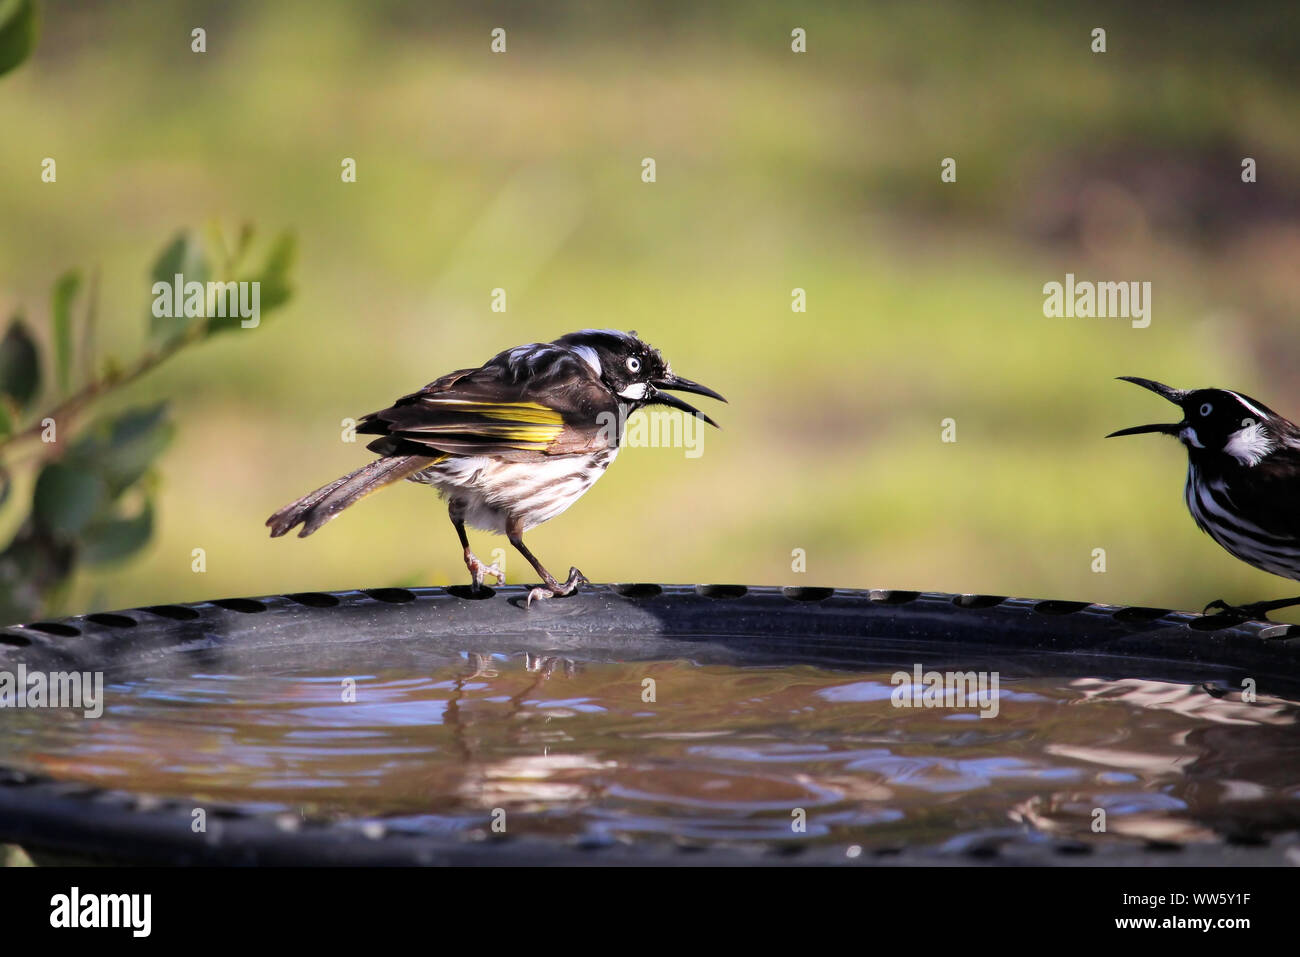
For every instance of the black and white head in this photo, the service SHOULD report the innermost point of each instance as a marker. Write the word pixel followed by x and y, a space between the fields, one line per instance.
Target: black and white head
pixel 633 370
pixel 1219 426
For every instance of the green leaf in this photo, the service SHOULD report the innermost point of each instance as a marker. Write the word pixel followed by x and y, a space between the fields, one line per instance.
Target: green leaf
pixel 65 291
pixel 176 257
pixel 17 32
pixel 245 240
pixel 6 418
pixel 121 450
pixel 117 538
pixel 6 484
pixel 90 319
pixel 183 256
pixel 66 498
pixel 274 288
pixel 20 365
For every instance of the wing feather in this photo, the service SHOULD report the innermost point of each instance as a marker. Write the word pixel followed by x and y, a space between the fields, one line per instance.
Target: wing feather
pixel 556 409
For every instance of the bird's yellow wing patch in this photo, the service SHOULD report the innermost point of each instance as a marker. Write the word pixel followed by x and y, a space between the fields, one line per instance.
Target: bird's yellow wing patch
pixel 529 423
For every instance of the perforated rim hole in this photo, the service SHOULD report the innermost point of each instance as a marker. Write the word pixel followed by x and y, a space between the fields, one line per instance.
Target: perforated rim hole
pixel 172 612
pixel 1055 606
pixel 469 594
pixel 245 606
pixel 639 590
pixel 55 628
pixel 111 620
pixel 721 591
pixel 807 592
pixel 890 596
pixel 393 596
pixel 313 599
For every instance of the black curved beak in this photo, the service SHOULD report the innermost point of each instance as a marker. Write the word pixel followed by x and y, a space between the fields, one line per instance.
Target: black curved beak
pixel 678 384
pixel 1175 396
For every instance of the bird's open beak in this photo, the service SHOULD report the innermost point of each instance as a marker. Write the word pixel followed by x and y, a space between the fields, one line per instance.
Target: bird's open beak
pixel 1175 396
pixel 677 383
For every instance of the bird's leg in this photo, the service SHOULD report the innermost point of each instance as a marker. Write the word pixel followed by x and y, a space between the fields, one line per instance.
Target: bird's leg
pixel 1257 610
pixel 476 568
pixel 515 532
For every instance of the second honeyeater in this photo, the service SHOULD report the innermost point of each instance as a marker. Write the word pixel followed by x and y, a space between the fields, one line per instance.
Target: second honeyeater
pixel 1243 479
pixel 511 443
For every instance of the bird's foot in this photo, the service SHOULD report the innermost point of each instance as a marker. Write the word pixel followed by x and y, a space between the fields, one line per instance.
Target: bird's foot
pixel 478 570
pixel 1258 611
pixel 553 589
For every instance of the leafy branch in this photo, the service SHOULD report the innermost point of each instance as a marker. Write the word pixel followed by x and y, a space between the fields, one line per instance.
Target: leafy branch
pixel 20 374
pixel 93 498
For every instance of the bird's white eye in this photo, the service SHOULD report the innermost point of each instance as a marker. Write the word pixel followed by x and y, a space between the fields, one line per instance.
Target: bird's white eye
pixel 633 364
pixel 1247 423
pixel 1206 409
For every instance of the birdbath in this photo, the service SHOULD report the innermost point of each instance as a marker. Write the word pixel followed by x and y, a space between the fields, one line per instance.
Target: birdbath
pixel 645 723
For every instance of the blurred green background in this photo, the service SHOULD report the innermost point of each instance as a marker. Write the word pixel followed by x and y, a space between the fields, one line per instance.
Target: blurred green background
pixel 775 170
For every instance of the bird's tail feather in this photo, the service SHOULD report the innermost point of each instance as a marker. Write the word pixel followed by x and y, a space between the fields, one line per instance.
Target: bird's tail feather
pixel 316 508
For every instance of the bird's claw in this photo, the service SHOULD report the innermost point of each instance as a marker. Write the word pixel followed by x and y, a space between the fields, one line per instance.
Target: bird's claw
pixel 556 590
pixel 478 570
pixel 1249 612
pixel 540 594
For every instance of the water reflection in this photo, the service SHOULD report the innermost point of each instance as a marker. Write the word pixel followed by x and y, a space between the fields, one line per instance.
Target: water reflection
pixel 672 750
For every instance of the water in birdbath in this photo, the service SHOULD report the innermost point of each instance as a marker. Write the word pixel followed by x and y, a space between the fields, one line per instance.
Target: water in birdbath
pixel 671 750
